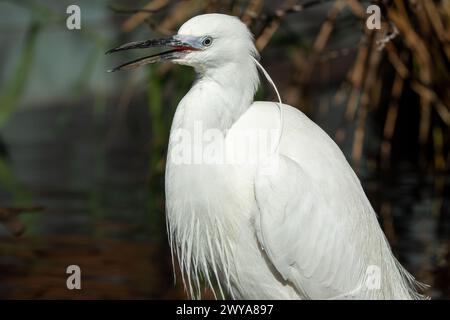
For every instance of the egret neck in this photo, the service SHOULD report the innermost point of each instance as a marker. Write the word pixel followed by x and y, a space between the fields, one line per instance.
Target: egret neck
pixel 219 96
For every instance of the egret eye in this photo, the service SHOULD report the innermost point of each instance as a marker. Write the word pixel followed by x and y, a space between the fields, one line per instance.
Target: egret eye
pixel 207 41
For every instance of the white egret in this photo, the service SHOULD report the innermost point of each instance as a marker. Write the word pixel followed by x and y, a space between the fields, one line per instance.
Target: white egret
pixel 303 229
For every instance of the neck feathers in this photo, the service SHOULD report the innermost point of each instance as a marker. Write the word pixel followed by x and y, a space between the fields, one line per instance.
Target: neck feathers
pixel 219 96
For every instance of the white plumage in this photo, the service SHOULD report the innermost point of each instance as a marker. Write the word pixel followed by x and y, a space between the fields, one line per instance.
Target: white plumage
pixel 306 230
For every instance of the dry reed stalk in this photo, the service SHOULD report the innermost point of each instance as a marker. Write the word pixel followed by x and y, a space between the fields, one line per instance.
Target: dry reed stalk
pixel 182 12
pixel 374 59
pixel 391 120
pixel 252 11
pixel 322 38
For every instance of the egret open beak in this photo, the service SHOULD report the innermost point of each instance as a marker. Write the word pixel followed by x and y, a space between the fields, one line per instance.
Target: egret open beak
pixel 181 46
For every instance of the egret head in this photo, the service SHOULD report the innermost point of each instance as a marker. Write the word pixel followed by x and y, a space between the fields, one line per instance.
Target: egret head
pixel 203 42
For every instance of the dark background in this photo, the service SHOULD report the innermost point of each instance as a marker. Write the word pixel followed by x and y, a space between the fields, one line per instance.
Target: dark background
pixel 82 151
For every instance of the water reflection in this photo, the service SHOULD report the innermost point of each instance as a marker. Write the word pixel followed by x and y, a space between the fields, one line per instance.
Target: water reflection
pixel 89 170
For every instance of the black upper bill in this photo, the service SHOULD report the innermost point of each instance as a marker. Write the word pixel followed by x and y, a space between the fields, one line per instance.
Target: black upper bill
pixel 168 55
